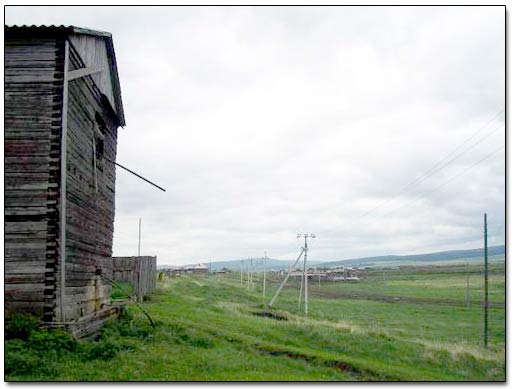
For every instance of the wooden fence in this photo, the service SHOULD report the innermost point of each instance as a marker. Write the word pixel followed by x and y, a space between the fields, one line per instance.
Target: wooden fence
pixel 141 272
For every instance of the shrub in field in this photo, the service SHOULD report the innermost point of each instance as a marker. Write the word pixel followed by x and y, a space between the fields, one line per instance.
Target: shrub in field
pixel 38 354
pixel 103 350
pixel 128 326
pixel 34 352
pixel 20 326
pixel 55 341
pixel 18 359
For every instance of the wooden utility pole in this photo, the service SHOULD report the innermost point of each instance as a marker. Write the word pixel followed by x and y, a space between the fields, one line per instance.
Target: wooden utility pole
pixel 139 245
pixel 241 271
pixel 251 271
pixel 300 293
pixel 468 287
pixel 305 277
pixel 263 289
pixel 305 272
pixel 247 268
pixel 485 282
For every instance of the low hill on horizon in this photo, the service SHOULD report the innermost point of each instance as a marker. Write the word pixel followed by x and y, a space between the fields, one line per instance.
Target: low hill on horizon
pixel 417 258
pixel 384 260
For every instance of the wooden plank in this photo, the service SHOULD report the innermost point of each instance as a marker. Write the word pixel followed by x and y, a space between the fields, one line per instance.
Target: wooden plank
pixel 33 307
pixel 83 72
pixel 31 110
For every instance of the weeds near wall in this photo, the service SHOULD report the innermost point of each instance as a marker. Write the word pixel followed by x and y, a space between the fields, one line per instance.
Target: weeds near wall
pixel 31 351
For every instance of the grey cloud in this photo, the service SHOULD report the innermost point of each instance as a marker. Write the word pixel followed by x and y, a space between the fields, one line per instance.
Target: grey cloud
pixel 262 122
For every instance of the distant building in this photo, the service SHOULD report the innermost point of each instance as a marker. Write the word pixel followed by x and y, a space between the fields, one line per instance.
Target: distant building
pixel 199 268
pixel 224 270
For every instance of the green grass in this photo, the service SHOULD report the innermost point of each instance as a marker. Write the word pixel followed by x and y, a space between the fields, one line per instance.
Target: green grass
pixel 208 329
pixel 433 284
pixel 122 290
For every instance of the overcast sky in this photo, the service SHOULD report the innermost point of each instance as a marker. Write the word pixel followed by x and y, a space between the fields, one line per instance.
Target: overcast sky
pixel 262 122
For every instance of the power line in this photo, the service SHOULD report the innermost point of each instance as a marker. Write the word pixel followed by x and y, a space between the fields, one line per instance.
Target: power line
pixel 448 181
pixel 436 167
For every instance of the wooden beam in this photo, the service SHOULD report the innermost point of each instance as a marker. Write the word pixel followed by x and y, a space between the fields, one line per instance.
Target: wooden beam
pixel 73 74
pixel 64 136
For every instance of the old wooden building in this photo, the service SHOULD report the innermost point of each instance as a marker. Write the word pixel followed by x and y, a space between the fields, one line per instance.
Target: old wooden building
pixel 62 112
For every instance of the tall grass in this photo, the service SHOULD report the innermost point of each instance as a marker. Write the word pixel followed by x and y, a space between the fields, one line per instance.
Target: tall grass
pixel 211 329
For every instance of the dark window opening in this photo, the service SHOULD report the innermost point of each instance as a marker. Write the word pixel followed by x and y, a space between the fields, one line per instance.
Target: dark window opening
pixel 99 148
pixel 102 127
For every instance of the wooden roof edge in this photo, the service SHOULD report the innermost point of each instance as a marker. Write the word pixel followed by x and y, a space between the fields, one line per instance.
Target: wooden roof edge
pixel 86 31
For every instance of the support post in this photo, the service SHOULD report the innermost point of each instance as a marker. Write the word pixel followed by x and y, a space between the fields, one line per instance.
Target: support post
pixel 305 276
pixel 62 199
pixel 251 272
pixel 263 289
pixel 485 282
pixel 301 291
pixel 139 244
pixel 468 287
pixel 285 280
pixel 247 266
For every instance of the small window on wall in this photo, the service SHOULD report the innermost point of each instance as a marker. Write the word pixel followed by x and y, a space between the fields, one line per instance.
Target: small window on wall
pixel 102 127
pixel 99 148
pixel 98 145
pixel 100 131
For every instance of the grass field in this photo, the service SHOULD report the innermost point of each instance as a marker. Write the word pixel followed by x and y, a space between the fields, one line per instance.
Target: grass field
pixel 408 324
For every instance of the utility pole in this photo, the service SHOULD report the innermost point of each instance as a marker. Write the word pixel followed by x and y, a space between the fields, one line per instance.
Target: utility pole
pixel 300 291
pixel 139 245
pixel 263 289
pixel 485 282
pixel 241 271
pixel 247 268
pixel 305 271
pixel 468 287
pixel 291 269
pixel 251 271
pixel 305 276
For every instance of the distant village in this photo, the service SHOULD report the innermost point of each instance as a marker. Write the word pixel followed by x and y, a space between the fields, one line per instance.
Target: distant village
pixel 336 274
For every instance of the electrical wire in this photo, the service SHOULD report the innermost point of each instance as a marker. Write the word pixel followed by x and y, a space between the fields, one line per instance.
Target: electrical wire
pixel 441 163
pixel 422 195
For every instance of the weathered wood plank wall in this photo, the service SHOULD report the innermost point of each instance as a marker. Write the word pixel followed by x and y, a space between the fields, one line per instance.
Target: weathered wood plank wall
pixel 93 52
pixel 92 137
pixel 141 272
pixel 33 123
pixel 32 127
